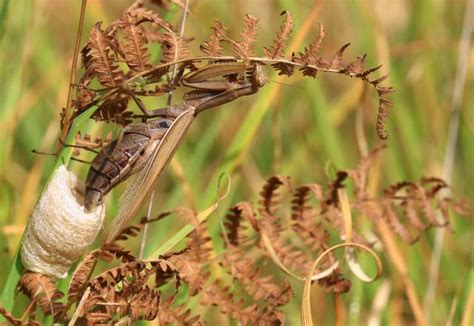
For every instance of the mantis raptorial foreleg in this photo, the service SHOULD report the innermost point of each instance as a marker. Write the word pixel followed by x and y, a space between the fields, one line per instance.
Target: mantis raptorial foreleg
pixel 210 93
pixel 148 147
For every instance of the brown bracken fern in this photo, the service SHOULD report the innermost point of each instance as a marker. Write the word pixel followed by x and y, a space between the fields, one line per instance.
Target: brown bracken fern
pixel 129 38
pixel 137 289
pixel 257 239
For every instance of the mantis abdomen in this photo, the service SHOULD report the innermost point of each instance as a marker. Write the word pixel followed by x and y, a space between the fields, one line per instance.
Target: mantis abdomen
pixel 122 158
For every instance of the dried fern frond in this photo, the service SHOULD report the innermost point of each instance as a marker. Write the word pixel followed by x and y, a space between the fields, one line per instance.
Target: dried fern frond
pixel 84 96
pixel 415 201
pixel 246 48
pixel 134 299
pixel 216 295
pixel 277 50
pixel 142 14
pixel 361 172
pixel 100 60
pixel 43 290
pixel 269 198
pixel 309 58
pixel 307 220
pixel 132 290
pixel 235 224
pixel 134 229
pixel 175 47
pixel 105 50
pixel 213 47
pixel 113 109
pixel 134 48
pixel 189 264
pixel 80 277
pixel 245 271
pixel 169 313
pixel 143 305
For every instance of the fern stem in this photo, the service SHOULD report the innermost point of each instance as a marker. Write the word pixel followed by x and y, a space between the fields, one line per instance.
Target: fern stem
pixel 170 96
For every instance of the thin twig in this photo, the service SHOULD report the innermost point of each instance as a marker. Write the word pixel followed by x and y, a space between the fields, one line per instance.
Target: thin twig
pixel 28 309
pixel 175 67
pixel 451 146
pixel 68 111
pixel 359 124
pixel 170 96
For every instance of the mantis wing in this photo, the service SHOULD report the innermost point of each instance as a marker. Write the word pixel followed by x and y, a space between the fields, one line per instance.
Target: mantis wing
pixel 132 199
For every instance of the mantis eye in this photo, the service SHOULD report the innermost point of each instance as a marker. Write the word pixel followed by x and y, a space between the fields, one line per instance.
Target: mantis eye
pixel 164 124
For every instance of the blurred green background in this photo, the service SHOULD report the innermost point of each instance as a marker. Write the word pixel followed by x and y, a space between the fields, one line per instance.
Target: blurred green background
pixel 304 125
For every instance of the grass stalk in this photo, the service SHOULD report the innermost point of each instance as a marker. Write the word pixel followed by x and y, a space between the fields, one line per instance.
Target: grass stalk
pixel 451 147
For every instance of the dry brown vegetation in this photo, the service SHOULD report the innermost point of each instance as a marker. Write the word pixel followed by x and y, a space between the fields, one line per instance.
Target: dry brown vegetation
pixel 312 222
pixel 265 245
pixel 117 57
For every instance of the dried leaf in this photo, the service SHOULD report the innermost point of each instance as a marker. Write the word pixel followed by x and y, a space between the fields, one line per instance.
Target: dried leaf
pixel 277 50
pixel 337 60
pixel 213 47
pixel 100 60
pixel 174 47
pixel 134 48
pixel 310 55
pixel 80 277
pixel 258 286
pixel 284 68
pixel 143 305
pixel 42 288
pixel 220 297
pixel 245 48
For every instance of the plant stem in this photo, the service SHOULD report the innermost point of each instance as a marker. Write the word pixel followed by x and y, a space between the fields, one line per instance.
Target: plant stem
pixel 68 110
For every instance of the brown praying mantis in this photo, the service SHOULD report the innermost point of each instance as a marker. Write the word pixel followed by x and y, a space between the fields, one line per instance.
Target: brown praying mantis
pixel 146 148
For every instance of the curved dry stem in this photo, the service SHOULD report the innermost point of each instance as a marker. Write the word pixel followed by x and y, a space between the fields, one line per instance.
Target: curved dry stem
pixel 170 95
pixel 306 318
pixel 273 255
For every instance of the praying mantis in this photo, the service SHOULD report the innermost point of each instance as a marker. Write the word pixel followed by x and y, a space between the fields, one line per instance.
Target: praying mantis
pixel 146 148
